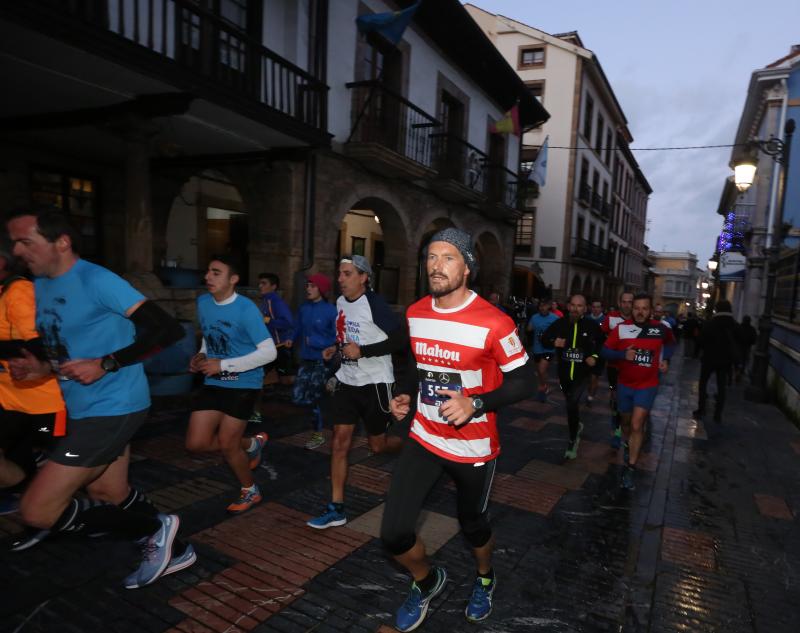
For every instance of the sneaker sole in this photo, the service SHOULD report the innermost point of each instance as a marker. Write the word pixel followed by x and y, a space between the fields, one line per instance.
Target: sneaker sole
pixel 32 542
pixel 169 540
pixel 336 523
pixel 171 569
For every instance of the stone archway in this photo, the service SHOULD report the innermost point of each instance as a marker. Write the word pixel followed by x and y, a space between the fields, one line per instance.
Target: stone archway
pixel 575 286
pixel 586 291
pixel 597 291
pixel 491 273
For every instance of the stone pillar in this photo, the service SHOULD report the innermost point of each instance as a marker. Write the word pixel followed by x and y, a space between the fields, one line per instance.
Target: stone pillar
pixel 138 204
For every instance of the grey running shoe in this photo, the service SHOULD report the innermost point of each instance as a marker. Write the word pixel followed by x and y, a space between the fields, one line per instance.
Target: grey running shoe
pixel 157 551
pixel 30 538
pixel 177 563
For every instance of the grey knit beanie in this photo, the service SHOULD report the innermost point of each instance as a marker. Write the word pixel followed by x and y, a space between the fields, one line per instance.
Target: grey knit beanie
pixel 359 261
pixel 462 241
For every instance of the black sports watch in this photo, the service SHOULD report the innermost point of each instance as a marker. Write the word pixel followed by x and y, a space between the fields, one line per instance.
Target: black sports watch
pixel 109 364
pixel 477 404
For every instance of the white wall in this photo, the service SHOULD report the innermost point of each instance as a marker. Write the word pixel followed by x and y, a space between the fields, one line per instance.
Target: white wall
pixel 285 29
pixel 425 62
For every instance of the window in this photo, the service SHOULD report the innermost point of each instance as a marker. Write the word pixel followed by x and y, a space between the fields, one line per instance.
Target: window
pixel 536 88
pixel 547 252
pixel 579 228
pixel 77 197
pixel 524 235
pixel 531 57
pixel 588 116
pixel 608 147
pixel 598 141
pixel 591 233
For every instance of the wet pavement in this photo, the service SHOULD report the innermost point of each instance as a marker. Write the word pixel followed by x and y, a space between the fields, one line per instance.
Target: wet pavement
pixel 708 541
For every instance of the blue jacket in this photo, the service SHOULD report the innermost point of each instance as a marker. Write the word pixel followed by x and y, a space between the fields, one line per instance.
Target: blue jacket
pixel 316 328
pixel 280 323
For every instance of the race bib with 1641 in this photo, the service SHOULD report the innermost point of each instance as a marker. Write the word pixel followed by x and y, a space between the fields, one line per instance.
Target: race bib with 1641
pixel 643 357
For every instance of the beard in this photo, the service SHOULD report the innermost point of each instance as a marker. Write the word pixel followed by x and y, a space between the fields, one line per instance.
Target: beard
pixel 444 287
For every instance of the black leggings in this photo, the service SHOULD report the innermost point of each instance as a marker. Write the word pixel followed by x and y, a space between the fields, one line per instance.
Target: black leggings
pixel 573 393
pixel 415 473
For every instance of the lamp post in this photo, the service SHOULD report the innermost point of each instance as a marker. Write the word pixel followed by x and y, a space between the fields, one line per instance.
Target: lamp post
pixel 711 298
pixel 744 173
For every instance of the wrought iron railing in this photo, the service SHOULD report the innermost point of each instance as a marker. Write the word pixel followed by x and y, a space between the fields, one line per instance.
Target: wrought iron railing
pixel 592 252
pixel 458 160
pixel 204 43
pixel 384 117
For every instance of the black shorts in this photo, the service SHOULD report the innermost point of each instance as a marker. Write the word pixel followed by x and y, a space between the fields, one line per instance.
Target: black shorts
pixel 283 363
pixel 237 403
pixel 548 356
pixel 599 366
pixel 369 403
pixel 97 441
pixel 21 432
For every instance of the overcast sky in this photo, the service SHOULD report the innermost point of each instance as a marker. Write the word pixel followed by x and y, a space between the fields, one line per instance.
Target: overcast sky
pixel 680 70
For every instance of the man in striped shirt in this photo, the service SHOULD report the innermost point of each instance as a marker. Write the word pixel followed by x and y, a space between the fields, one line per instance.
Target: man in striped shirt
pixel 469 361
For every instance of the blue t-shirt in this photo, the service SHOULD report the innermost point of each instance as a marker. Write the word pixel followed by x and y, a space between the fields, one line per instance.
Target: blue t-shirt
pixel 81 315
pixel 232 330
pixel 539 324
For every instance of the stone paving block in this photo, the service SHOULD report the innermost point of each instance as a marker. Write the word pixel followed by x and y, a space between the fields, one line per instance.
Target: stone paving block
pixel 433 528
pixel 190 491
pixel 524 494
pixel 690 428
pixel 681 455
pixel 370 479
pixel 300 439
pixel 688 547
pixel 529 424
pixel 773 507
pixel 546 472
pixel 171 449
pixel 534 406
pixel 560 420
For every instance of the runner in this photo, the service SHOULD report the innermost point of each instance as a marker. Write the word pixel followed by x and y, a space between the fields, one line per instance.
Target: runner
pixel 576 339
pixel 598 317
pixel 96 329
pixel 542 355
pixel 469 362
pixel 235 347
pixel 642 347
pixel 612 320
pixel 367 333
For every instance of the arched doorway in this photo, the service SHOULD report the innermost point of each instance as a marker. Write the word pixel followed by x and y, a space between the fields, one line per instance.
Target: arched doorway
pixel 575 286
pixel 438 224
pixel 587 287
pixel 207 217
pixel 491 265
pixel 373 228
pixel 597 293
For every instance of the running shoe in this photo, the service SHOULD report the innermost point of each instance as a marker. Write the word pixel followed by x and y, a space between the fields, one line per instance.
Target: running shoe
pixel 616 439
pixel 9 504
pixel 177 563
pixel 31 537
pixel 247 499
pixel 480 602
pixel 254 453
pixel 332 517
pixel 627 479
pixel 572 449
pixel 413 611
pixel 156 553
pixel 255 418
pixel 589 401
pixel 316 440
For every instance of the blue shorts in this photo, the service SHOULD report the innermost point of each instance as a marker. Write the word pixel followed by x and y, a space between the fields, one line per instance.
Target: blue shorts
pixel 628 397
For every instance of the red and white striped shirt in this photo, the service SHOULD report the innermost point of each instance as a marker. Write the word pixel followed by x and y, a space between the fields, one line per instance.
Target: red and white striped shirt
pixel 465 348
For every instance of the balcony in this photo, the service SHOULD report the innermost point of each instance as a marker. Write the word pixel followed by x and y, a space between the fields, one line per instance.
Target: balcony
pixel 179 43
pixel 585 194
pixel 592 253
pixel 389 133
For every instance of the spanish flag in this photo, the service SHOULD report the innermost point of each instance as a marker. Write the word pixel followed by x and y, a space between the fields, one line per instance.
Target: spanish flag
pixel 509 124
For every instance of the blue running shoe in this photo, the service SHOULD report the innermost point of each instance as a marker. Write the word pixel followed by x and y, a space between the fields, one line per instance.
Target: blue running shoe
pixel 332 517
pixel 627 480
pixel 480 602
pixel 177 563
pixel 413 611
pixel 157 551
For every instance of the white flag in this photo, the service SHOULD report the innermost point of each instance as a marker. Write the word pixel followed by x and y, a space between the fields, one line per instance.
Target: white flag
pixel 539 172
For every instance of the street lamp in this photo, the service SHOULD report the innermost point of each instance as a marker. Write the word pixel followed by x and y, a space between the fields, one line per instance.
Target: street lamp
pixel 712 265
pixel 744 173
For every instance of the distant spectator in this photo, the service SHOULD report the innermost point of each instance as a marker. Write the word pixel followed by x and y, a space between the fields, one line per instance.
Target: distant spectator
pixel 720 355
pixel 745 336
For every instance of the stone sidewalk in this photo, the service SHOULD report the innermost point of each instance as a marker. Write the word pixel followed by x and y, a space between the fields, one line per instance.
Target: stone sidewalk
pixel 707 541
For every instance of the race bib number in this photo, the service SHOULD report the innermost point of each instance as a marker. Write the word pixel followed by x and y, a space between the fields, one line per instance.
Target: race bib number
pixel 573 355
pixel 430 381
pixel 643 357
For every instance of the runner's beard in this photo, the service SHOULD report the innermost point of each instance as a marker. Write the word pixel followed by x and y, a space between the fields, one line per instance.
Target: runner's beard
pixel 445 289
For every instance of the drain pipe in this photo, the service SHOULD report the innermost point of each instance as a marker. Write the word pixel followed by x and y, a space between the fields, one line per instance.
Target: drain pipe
pixel 309 219
pixel 776 170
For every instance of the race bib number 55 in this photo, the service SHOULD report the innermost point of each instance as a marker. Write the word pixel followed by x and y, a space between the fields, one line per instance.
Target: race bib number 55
pixel 430 381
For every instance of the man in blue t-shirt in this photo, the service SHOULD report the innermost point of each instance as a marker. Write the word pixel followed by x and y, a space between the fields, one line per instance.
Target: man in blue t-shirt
pixel 542 355
pixel 235 348
pixel 95 330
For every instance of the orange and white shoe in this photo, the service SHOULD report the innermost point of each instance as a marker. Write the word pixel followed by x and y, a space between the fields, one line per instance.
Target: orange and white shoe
pixel 247 499
pixel 254 454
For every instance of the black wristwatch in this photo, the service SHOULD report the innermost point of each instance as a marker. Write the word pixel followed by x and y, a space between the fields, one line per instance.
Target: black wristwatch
pixel 477 404
pixel 109 364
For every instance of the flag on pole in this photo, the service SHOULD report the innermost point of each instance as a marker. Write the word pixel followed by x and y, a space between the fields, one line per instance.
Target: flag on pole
pixel 390 24
pixel 538 173
pixel 509 124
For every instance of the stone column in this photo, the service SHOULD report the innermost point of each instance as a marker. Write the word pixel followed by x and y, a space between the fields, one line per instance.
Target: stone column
pixel 138 203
